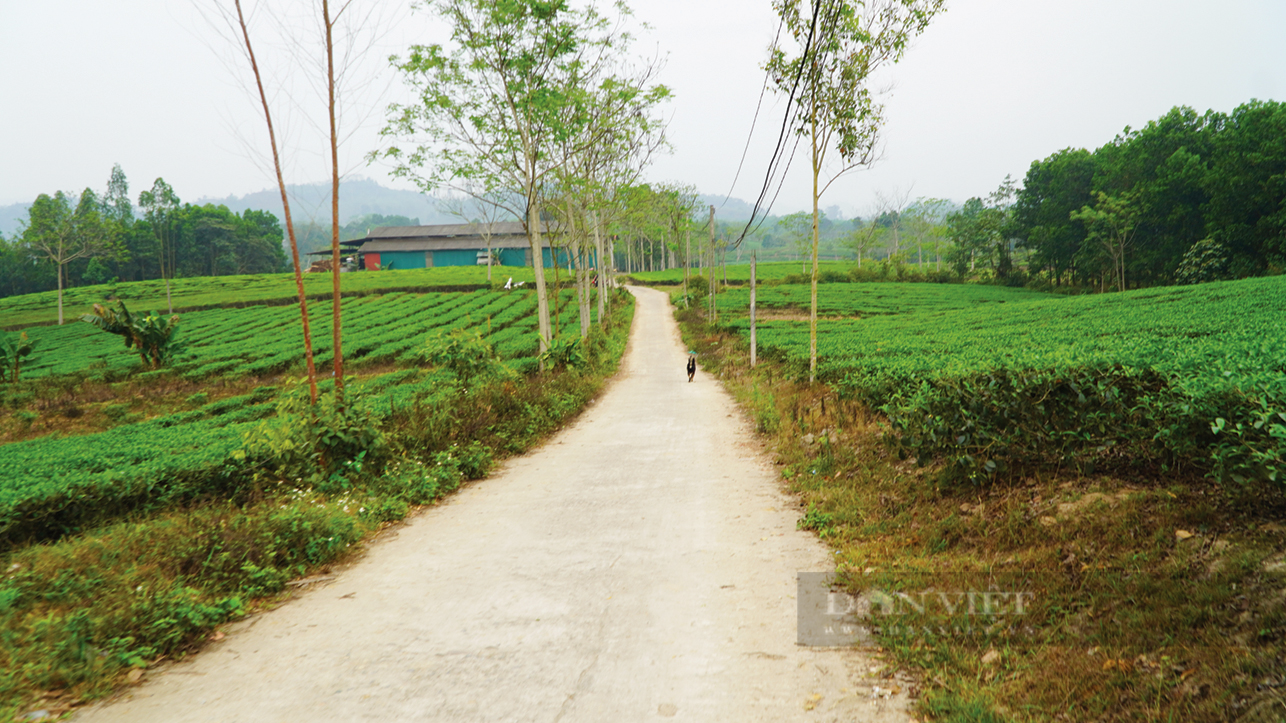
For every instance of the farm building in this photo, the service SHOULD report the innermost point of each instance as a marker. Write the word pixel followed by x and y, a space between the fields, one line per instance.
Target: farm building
pixel 418 247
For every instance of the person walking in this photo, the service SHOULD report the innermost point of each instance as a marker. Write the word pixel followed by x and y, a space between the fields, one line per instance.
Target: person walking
pixel 692 365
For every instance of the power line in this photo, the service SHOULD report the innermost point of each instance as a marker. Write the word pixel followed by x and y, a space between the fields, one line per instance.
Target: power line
pixel 792 113
pixel 755 122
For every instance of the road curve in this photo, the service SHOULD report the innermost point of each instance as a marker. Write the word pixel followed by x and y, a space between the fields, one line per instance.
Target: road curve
pixel 638 566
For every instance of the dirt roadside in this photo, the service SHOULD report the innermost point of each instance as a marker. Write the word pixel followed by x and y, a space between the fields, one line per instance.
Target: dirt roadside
pixel 640 565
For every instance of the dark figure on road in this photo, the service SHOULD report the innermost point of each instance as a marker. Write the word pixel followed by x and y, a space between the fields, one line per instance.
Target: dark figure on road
pixel 692 367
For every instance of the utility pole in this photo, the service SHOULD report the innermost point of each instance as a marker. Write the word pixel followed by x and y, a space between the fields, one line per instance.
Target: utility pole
pixel 714 309
pixel 687 262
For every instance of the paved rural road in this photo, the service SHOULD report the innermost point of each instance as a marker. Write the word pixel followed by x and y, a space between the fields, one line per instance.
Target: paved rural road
pixel 639 566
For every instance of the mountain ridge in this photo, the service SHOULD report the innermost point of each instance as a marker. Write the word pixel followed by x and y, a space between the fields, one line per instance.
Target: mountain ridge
pixel 357 197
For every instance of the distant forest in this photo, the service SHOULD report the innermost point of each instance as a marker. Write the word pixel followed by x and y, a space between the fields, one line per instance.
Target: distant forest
pixel 125 240
pixel 1187 198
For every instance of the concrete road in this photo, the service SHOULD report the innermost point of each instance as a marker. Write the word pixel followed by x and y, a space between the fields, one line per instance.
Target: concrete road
pixel 639 566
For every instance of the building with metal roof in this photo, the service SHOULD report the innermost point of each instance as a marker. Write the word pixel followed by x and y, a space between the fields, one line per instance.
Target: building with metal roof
pixel 463 244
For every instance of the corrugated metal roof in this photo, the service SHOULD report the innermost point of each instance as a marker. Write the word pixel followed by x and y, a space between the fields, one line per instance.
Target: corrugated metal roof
pixel 505 228
pixel 444 237
pixel 446 244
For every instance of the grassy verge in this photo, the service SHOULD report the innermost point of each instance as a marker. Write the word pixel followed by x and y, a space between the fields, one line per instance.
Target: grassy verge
pixel 86 614
pixel 1153 596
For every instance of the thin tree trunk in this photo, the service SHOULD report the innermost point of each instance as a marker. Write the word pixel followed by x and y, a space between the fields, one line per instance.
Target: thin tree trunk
pixel 578 266
pixel 714 306
pixel 538 266
pixel 687 267
pixel 174 263
pixel 60 284
pixel 607 283
pixel 557 295
pixel 336 299
pixel 600 266
pixel 812 306
pixel 285 205
pixel 163 259
pixel 754 348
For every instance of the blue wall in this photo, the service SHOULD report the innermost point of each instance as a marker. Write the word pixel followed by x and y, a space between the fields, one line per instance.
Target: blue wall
pixel 402 259
pixel 512 257
pixel 463 257
pixel 458 257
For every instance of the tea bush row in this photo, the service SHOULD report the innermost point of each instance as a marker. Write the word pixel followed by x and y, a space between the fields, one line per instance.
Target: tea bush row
pixel 1173 376
pixel 263 340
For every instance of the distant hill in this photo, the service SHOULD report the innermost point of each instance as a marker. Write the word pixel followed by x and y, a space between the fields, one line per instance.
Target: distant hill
pixel 11 217
pixel 733 209
pixel 358 197
pixel 308 202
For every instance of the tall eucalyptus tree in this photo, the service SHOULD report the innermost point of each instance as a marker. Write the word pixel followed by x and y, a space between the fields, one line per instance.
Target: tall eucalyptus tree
pixel 839 44
pixel 493 108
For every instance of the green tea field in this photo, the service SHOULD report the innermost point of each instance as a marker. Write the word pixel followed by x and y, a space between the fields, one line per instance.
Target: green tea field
pixel 952 365
pixel 257 340
pixel 232 291
pixel 739 272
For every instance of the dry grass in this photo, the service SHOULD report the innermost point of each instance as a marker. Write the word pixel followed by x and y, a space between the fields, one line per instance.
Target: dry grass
pixel 71 406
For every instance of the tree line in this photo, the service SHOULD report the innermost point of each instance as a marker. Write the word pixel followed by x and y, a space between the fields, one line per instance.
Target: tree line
pixel 93 237
pixel 536 111
pixel 1185 199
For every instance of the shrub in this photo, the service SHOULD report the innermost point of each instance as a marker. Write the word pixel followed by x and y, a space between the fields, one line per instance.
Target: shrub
pixel 562 352
pixel 118 413
pixel 1249 433
pixel 1004 420
pixel 1206 260
pixel 698 287
pixel 329 445
pixel 464 352
pixel 991 422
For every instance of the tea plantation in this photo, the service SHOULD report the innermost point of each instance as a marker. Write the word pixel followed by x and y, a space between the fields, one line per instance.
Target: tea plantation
pixel 993 378
pixel 56 484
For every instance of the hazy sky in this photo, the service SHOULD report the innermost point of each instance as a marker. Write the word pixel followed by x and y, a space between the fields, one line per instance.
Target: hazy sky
pixel 990 87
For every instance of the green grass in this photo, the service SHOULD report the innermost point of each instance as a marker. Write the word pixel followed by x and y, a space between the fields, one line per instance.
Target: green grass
pixel 1172 376
pixel 260 340
pixel 214 291
pixel 740 272
pixel 929 330
pixel 877 299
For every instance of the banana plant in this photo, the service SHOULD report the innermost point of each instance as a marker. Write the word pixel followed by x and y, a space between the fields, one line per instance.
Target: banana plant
pixel 153 336
pixel 12 354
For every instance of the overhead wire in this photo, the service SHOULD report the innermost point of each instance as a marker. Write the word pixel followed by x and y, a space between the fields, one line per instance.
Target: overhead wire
pixel 755 121
pixel 788 120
